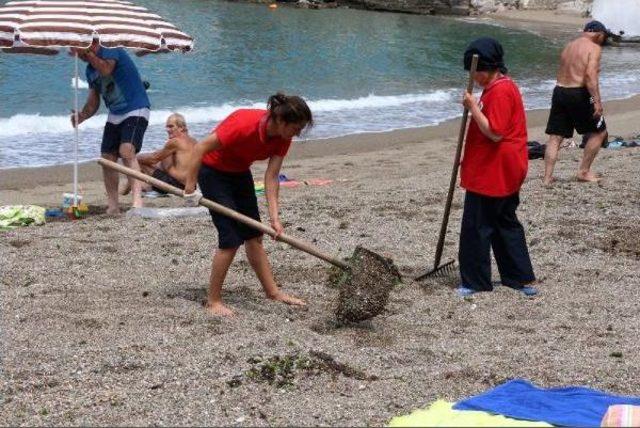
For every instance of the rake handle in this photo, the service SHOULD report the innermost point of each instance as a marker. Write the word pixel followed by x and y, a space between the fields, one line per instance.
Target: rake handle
pixel 456 167
pixel 221 209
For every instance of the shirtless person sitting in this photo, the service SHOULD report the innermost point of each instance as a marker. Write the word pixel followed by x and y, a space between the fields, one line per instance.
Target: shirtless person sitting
pixel 576 102
pixel 168 164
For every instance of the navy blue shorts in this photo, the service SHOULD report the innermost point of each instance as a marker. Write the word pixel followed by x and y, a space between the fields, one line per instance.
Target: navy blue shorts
pixel 235 191
pixel 131 130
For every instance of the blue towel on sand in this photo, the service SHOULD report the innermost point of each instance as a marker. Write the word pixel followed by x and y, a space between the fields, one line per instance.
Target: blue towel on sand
pixel 569 406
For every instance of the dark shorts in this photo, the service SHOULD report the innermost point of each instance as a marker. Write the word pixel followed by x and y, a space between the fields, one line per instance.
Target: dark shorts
pixel 572 108
pixel 235 191
pixel 164 176
pixel 131 130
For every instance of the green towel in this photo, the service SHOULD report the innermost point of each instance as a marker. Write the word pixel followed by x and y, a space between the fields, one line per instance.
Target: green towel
pixel 12 216
pixel 441 414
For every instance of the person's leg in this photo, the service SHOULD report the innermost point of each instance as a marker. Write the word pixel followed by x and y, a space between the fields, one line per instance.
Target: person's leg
pixel 128 154
pixel 110 178
pixel 217 188
pixel 260 263
pixel 126 189
pixel 510 246
pixel 219 267
pixel 163 176
pixel 244 196
pixel 590 152
pixel 132 132
pixel 145 169
pixel 109 151
pixel 475 243
pixel 551 157
pixel 587 123
pixel 560 125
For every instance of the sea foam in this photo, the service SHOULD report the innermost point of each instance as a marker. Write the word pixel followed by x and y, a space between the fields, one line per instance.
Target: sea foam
pixel 30 124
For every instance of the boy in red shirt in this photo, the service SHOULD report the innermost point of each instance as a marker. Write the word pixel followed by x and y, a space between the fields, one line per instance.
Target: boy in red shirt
pixel 493 169
pixel 225 177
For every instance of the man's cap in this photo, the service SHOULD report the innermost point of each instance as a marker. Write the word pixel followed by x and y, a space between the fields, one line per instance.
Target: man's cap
pixel 597 27
pixel 490 55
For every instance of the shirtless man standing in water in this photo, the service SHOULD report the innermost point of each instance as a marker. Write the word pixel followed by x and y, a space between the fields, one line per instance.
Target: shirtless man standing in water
pixel 576 102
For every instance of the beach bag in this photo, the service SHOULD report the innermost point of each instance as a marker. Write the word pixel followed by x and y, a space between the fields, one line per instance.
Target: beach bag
pixel 536 150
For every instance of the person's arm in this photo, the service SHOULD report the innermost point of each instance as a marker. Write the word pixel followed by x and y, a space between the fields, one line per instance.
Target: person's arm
pixel 151 159
pixel 272 190
pixel 592 77
pixel 470 102
pixel 104 66
pixel 207 145
pixel 90 108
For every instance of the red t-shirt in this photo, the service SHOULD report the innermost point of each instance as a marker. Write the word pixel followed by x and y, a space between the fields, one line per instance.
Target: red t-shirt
pixel 497 169
pixel 243 137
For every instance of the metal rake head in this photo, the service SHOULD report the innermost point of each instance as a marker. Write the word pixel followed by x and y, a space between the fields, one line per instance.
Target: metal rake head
pixel 440 271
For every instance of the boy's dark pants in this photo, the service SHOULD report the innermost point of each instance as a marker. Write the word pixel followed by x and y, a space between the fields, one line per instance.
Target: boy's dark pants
pixel 489 222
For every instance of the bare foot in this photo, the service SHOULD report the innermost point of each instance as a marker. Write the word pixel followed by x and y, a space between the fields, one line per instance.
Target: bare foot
pixel 113 211
pixel 285 298
pixel 547 182
pixel 588 177
pixel 218 309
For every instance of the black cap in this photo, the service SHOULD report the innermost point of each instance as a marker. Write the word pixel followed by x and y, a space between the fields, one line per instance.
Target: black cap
pixel 597 27
pixel 490 53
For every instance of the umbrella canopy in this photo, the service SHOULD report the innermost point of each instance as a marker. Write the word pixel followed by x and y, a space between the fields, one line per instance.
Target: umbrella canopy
pixel 68 23
pixel 44 26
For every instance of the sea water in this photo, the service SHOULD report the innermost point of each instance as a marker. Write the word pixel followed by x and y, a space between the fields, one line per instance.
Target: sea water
pixel 360 71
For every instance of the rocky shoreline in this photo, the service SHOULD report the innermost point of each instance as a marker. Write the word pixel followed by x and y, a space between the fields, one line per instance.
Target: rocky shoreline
pixel 448 7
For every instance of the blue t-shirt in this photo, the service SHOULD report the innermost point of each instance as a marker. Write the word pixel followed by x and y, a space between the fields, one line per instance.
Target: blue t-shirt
pixel 122 91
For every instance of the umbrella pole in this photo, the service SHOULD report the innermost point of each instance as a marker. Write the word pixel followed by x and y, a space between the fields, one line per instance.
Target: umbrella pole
pixel 75 146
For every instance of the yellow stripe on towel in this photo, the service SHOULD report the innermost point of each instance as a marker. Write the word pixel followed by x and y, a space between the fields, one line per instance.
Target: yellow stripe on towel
pixel 441 414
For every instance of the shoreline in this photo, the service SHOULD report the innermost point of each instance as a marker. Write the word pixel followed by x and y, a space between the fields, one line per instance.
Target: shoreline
pixel 548 23
pixel 544 19
pixel 621 116
pixel 544 23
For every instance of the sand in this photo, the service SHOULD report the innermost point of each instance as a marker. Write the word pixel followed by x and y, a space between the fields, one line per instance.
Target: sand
pixel 102 319
pixel 543 19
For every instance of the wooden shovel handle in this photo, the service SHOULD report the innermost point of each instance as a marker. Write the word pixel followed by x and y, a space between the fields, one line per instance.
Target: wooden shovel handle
pixel 456 166
pixel 221 209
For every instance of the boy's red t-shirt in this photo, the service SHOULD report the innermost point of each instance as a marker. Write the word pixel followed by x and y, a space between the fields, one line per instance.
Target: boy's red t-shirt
pixel 243 136
pixel 497 169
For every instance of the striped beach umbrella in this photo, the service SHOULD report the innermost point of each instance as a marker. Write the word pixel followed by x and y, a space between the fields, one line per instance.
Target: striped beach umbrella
pixel 69 23
pixel 45 26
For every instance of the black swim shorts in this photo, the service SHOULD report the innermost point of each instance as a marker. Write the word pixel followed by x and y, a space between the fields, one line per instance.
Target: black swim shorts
pixel 131 130
pixel 235 191
pixel 164 176
pixel 572 108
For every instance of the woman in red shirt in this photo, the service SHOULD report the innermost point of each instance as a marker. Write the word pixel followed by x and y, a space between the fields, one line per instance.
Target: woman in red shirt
pixel 222 164
pixel 493 169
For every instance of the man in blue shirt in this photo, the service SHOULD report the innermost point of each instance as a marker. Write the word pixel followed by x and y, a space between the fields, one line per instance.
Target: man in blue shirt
pixel 112 74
